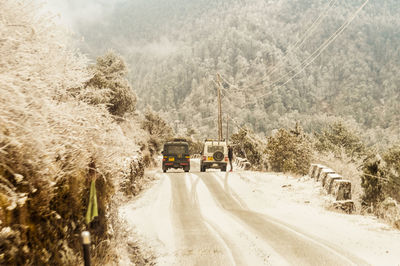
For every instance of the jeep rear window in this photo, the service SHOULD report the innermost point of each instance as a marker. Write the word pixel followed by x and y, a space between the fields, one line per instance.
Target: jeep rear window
pixel 212 149
pixel 175 149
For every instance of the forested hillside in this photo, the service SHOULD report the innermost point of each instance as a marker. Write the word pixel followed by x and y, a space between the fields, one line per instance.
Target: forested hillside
pixel 175 48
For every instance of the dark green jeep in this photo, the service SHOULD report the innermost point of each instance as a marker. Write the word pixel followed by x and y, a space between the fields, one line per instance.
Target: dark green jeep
pixel 176 155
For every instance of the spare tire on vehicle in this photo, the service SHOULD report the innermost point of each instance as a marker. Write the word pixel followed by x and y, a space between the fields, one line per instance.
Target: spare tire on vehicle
pixel 218 156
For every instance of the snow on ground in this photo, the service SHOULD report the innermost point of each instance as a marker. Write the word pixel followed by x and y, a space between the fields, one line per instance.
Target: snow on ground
pixel 301 204
pixel 155 221
pixel 260 252
pixel 297 204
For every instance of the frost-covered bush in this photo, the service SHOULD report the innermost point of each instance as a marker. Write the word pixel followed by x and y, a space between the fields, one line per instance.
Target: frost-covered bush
pixel 51 144
pixel 289 151
pixel 337 137
pixel 389 211
pixel 158 132
pixel 109 85
pixel 133 169
pixel 392 169
pixel 247 145
pixel 195 146
pixel 372 181
pixel 381 176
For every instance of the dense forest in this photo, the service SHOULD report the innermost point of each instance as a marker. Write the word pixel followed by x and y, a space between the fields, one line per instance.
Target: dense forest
pixel 175 48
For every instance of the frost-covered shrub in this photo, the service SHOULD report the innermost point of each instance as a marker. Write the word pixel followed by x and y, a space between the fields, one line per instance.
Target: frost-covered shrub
pixel 389 211
pixel 195 146
pixel 247 145
pixel 158 132
pixel 133 171
pixel 372 180
pixel 336 137
pixel 392 169
pixel 109 85
pixel 51 144
pixel 289 151
pixel 381 176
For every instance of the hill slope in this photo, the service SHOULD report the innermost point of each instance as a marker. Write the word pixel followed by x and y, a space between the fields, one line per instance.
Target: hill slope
pixel 175 48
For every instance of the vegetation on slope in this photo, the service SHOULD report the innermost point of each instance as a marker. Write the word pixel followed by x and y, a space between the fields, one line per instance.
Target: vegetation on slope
pixel 289 151
pixel 177 48
pixel 63 124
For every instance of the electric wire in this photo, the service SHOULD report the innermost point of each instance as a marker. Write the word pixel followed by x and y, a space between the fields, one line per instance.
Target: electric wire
pixel 315 54
pixel 322 46
pixel 308 60
pixel 299 43
pixel 296 45
pixel 244 129
pixel 231 85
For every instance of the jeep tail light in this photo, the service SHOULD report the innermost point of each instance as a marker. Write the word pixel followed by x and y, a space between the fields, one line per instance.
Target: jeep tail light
pixel 204 158
pixel 226 159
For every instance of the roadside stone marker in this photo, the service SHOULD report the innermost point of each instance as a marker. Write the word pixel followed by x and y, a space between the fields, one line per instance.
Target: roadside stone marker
pixel 313 167
pixel 341 189
pixel 324 173
pixel 334 185
pixel 328 181
pixel 318 171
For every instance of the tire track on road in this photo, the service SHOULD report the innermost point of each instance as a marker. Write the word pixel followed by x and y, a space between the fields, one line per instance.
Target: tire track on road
pixel 234 251
pixel 198 245
pixel 228 190
pixel 297 248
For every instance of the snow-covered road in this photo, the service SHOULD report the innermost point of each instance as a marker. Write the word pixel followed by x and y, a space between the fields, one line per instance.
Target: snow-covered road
pixel 252 218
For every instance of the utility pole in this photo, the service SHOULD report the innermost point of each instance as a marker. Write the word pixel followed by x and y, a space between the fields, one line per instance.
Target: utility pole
pixel 219 108
pixel 227 129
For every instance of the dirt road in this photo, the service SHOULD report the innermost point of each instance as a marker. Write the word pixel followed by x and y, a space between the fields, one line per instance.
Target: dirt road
pixel 204 219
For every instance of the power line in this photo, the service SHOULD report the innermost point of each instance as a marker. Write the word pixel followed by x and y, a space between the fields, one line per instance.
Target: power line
pixel 244 129
pixel 314 24
pixel 231 85
pixel 307 61
pixel 318 51
pixel 301 41
pixel 315 54
pixel 219 108
pixel 296 45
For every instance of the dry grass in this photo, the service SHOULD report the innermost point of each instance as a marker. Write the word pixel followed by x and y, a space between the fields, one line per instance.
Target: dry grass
pixel 51 144
pixel 125 247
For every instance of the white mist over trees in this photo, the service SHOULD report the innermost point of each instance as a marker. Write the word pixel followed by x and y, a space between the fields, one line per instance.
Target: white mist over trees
pixel 176 47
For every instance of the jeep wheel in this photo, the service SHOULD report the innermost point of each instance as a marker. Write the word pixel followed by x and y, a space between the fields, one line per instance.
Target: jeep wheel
pixel 187 169
pixel 164 170
pixel 218 156
pixel 202 169
pixel 223 169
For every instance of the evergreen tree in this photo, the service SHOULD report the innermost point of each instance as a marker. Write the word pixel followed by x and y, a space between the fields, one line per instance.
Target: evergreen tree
pixel 336 137
pixel 110 86
pixel 289 151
